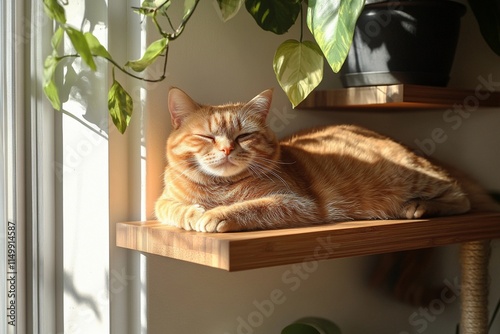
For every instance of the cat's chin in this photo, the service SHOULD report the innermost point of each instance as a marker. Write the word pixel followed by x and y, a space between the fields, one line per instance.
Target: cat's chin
pixel 226 169
pixel 223 167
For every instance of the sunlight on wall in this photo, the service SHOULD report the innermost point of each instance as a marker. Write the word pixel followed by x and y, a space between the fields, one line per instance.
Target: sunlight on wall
pixel 218 62
pixel 82 182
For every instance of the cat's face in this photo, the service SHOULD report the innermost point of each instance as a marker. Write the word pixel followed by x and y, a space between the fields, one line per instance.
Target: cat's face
pixel 221 141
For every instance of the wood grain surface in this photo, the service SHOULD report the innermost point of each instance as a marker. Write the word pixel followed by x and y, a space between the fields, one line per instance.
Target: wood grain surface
pixel 397 97
pixel 259 249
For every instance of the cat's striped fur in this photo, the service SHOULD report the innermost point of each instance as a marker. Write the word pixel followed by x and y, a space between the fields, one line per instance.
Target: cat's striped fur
pixel 226 171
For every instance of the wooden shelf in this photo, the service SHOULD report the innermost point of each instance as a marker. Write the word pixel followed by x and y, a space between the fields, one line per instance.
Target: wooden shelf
pixel 258 249
pixel 397 97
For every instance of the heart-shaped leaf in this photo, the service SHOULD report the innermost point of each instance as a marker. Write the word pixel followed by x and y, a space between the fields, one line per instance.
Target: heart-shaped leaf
pixel 332 24
pixel 299 68
pixel 49 86
pixel 229 8
pixel 96 48
pixel 154 50
pixel 81 46
pixel 56 38
pixel 120 105
pixel 276 16
pixel 54 10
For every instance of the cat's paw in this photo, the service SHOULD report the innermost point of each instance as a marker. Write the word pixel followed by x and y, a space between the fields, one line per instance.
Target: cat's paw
pixel 216 221
pixel 191 217
pixel 414 209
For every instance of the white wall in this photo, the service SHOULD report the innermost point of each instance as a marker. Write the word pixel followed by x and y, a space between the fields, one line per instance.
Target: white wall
pixel 217 62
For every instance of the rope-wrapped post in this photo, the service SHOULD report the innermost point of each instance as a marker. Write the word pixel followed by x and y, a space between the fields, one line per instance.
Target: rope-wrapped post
pixel 474 257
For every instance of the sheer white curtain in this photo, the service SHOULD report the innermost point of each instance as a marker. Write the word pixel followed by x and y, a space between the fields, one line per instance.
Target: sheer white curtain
pixel 66 178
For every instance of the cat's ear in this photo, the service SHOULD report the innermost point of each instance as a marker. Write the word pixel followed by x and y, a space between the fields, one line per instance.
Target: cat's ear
pixel 260 104
pixel 180 105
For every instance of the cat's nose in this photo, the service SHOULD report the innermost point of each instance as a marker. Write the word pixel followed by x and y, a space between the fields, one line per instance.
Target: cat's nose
pixel 227 149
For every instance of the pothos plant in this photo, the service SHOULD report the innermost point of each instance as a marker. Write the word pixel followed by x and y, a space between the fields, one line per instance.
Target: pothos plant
pixel 298 64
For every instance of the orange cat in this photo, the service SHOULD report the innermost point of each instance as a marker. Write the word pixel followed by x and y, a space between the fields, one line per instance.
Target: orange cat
pixel 227 172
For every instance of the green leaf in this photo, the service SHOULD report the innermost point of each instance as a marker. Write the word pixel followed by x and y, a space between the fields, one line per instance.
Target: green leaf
pixel 144 11
pixel 54 10
pixel 159 3
pixel 148 4
pixel 120 106
pixel 96 48
pixel 52 93
pixel 332 24
pixel 487 13
pixel 276 16
pixel 49 86
pixel 152 52
pixel 81 46
pixel 56 38
pixel 299 68
pixel 147 8
pixel 229 8
pixel 150 7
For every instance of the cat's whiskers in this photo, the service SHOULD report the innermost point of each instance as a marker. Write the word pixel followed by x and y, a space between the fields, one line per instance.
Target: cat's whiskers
pixel 265 162
pixel 255 172
pixel 255 168
pixel 278 162
pixel 267 171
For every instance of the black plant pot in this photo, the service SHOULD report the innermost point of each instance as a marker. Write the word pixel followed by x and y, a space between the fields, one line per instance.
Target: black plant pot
pixel 410 42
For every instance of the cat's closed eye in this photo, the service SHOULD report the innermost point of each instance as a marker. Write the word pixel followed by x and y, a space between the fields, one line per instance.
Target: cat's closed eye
pixel 245 136
pixel 206 137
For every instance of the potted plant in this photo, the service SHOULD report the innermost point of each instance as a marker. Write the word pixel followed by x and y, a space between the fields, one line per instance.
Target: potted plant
pixel 298 64
pixel 407 41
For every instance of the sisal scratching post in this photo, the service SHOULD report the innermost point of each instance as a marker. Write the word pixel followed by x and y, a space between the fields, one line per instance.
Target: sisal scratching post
pixel 474 257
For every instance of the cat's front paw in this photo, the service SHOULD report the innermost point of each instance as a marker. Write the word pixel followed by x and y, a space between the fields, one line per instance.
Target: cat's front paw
pixel 191 217
pixel 216 220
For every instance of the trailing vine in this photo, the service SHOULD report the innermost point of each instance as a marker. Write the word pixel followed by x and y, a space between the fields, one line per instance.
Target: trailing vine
pixel 87 47
pixel 298 64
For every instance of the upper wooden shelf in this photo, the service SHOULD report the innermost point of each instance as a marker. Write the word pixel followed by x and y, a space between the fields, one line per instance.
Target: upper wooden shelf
pixel 258 249
pixel 399 97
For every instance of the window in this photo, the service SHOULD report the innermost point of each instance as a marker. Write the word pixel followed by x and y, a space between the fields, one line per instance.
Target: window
pixel 64 182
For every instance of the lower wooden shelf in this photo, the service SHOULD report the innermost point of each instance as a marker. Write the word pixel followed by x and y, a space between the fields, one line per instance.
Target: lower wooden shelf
pixel 259 249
